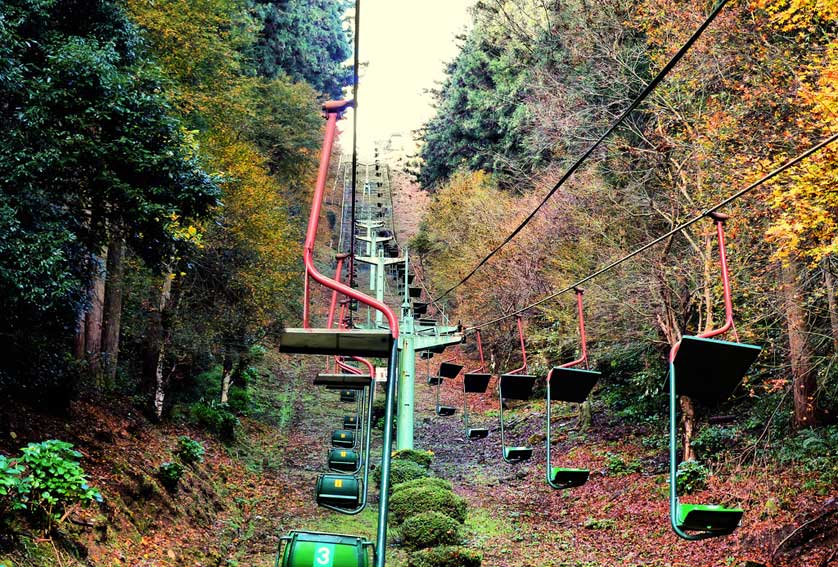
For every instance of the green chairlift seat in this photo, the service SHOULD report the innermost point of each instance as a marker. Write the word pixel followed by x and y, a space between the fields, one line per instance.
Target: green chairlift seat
pixel 343 460
pixel 346 342
pixel 350 421
pixel 343 438
pixel 414 292
pixel 514 387
pixel 348 396
pixel 338 490
pixel 420 308
pixel 708 370
pixel 474 383
pixel 314 549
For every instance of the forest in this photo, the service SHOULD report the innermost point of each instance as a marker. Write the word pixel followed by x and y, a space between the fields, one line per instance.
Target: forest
pixel 157 169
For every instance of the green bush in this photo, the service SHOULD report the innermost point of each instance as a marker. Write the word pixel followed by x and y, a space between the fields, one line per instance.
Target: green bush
pixel 400 472
pixel 170 475
pixel 691 476
pixel 430 529
pixel 812 451
pixel 215 418
pixel 238 400
pixel 447 556
pixel 617 466
pixel 428 481
pixel 257 352
pixel 713 440
pixel 189 451
pixel 412 501
pixel 44 480
pixel 423 458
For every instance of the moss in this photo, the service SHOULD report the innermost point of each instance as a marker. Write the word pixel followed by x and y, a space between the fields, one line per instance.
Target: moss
pixel 447 556
pixel 430 529
pixel 412 501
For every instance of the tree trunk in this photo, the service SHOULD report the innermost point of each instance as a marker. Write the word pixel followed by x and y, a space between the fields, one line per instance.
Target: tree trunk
pixel 93 319
pixel 226 375
pixel 78 342
pixel 802 370
pixel 155 348
pixel 829 284
pixel 113 307
pixel 585 415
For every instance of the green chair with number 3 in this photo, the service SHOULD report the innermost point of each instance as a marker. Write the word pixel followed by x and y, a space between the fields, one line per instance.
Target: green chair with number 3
pixel 315 549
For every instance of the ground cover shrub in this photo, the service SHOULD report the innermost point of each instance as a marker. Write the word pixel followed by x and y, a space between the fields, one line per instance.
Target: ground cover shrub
pixel 813 451
pixel 423 482
pixel 430 529
pixel 45 480
pixel 617 466
pixel 711 441
pixel 423 458
pixel 445 556
pixel 691 476
pixel 189 451
pixel 412 501
pixel 170 474
pixel 401 471
pixel 215 418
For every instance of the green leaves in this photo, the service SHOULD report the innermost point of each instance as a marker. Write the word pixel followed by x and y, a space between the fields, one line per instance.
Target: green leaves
pixel 45 480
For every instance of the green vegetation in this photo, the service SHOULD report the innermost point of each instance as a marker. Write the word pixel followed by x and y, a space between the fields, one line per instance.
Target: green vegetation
pixel 430 481
pixel 45 481
pixel 170 474
pixel 446 556
pixel 189 451
pixel 617 466
pixel 412 501
pixel 691 477
pixel 423 458
pixel 215 418
pixel 430 529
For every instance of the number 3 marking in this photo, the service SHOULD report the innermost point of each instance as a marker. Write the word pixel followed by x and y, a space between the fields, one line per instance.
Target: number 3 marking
pixel 324 556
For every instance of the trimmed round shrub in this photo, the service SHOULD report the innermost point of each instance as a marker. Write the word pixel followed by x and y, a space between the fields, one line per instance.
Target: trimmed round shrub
pixel 446 556
pixel 430 529
pixel 412 501
pixel 423 482
pixel 400 472
pixel 423 458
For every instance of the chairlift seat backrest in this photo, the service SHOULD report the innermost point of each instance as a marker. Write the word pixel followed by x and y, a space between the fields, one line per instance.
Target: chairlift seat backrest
pixel 304 549
pixel 348 342
pixel 343 381
pixel 571 384
pixel 415 292
pixel 476 382
pixel 343 460
pixel 709 370
pixel 340 490
pixel 343 438
pixel 516 386
pixel 449 369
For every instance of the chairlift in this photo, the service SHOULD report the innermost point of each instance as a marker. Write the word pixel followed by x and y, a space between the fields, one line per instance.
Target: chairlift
pixel 304 549
pixel 450 371
pixel 568 384
pixel 475 382
pixel 515 386
pixel 708 370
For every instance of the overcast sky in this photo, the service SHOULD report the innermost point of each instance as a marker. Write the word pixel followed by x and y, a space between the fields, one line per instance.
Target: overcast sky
pixel 406 44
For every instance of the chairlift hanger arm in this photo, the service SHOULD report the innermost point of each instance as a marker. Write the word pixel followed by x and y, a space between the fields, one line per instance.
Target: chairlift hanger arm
pixel 523 348
pixel 582 337
pixel 333 110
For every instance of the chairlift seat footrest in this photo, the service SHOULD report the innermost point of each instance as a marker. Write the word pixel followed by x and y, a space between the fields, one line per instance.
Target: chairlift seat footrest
pixel 517 453
pixel 477 433
pixel 708 518
pixel 569 478
pixel 445 411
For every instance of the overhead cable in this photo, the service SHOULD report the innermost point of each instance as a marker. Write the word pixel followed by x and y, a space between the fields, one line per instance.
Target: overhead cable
pixel 635 103
pixel 791 163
